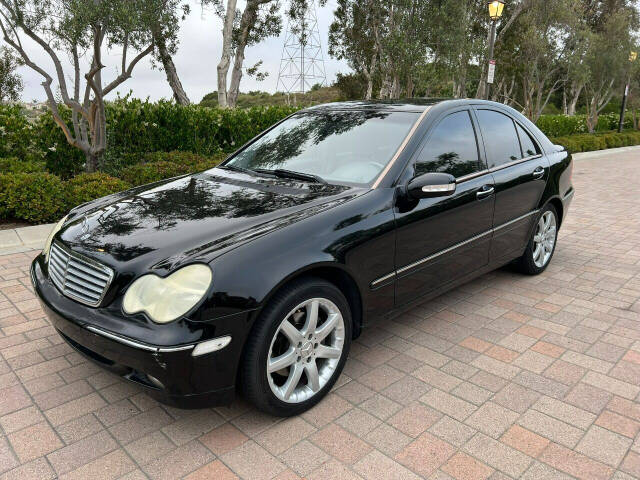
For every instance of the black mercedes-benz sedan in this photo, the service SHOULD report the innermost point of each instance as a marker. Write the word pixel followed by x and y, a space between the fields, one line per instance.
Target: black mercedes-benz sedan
pixel 257 274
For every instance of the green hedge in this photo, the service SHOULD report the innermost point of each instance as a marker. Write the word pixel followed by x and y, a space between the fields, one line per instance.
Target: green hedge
pixel 563 125
pixel 35 197
pixel 29 193
pixel 588 142
pixel 15 165
pixel 160 165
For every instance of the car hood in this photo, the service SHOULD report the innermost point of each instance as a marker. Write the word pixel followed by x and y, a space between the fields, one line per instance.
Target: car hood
pixel 163 225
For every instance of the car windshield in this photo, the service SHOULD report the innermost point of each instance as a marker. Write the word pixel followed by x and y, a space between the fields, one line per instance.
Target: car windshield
pixel 350 147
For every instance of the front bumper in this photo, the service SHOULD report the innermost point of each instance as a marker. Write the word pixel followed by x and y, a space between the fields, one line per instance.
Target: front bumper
pixel 168 373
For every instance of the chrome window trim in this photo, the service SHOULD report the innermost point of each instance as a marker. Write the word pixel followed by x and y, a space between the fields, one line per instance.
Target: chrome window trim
pixel 397 272
pixel 514 162
pixel 473 175
pixel 134 344
pixel 99 266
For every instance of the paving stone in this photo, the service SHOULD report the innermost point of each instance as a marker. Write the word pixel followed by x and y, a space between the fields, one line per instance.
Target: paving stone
pixel 617 387
pixel 588 397
pixel 186 459
pixel 551 428
pixel 498 455
pixel 574 463
pixel 524 440
pixel 425 454
pixel 448 404
pixel 565 412
pixel 492 419
pixel 516 397
pixel 605 446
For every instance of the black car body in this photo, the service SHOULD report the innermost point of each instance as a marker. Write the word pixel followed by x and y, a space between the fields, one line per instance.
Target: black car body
pixel 382 248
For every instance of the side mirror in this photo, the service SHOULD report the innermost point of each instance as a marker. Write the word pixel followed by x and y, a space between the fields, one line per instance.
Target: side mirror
pixel 431 185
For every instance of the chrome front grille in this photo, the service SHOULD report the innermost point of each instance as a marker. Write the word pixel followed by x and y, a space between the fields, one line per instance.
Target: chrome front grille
pixel 77 276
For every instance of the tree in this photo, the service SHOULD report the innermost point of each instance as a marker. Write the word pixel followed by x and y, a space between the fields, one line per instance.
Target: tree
pixel 163 36
pixel 354 37
pixel 259 19
pixel 607 61
pixel 534 51
pixel 10 81
pixel 75 27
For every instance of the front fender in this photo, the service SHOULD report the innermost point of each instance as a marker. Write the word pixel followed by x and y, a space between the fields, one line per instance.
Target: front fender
pixel 357 238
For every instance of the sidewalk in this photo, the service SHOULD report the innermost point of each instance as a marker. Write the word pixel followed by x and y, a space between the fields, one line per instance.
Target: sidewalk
pixel 23 239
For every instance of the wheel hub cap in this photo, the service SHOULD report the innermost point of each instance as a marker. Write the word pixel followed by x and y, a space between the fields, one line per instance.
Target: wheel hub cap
pixel 544 239
pixel 305 350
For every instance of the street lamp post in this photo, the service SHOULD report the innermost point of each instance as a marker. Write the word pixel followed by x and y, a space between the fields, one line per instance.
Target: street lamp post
pixel 632 58
pixel 495 12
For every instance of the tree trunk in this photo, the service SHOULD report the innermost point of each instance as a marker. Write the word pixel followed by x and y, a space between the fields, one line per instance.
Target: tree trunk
pixel 575 92
pixel 225 59
pixel 91 162
pixel 249 17
pixel 170 70
pixel 592 115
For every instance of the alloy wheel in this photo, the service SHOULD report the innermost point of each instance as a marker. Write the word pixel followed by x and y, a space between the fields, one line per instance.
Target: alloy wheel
pixel 544 239
pixel 305 350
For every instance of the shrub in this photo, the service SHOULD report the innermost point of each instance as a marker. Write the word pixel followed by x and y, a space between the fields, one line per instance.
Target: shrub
pixel 161 165
pixel 35 197
pixel 14 165
pixel 89 186
pixel 588 142
pixel 61 158
pixel 152 172
pixel 16 133
pixel 563 125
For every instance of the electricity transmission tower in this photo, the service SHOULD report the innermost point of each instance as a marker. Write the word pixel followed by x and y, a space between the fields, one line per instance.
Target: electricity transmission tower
pixel 302 65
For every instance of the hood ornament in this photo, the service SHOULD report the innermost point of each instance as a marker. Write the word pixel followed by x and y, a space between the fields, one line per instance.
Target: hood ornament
pixel 85 229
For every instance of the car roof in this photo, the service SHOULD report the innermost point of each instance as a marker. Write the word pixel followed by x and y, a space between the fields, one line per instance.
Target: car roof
pixel 401 105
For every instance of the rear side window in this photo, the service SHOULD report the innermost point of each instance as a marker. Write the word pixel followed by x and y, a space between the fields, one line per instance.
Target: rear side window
pixel 529 148
pixel 452 148
pixel 500 138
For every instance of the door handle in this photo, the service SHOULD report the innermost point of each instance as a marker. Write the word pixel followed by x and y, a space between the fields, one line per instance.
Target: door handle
pixel 484 192
pixel 538 172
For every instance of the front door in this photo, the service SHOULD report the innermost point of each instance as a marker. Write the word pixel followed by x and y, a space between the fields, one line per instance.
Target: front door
pixel 442 239
pixel 520 172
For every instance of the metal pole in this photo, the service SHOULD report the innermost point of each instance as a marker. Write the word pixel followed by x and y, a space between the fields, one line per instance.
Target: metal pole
pixel 492 41
pixel 623 107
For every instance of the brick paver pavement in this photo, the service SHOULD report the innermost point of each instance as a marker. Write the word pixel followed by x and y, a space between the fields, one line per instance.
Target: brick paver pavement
pixel 507 376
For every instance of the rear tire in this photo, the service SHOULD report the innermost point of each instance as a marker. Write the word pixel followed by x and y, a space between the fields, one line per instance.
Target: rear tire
pixel 542 244
pixel 294 356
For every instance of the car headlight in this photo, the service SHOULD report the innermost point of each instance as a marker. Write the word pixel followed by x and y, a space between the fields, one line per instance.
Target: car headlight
pixel 166 299
pixel 47 245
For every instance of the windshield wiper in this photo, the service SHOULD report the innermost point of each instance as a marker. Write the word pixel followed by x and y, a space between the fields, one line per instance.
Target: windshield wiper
pixel 236 168
pixel 283 173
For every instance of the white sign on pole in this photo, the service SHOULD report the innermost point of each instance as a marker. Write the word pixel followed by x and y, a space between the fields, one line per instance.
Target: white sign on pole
pixel 492 71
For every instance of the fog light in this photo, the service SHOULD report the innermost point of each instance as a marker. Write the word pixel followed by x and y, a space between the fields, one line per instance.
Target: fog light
pixel 211 345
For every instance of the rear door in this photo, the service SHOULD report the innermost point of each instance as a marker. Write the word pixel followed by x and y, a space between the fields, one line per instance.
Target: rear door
pixel 520 172
pixel 441 239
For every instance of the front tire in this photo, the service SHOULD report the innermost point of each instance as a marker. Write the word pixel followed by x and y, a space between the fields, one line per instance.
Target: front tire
pixel 297 348
pixel 542 244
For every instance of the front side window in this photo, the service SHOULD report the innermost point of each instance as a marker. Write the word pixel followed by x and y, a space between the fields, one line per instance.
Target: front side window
pixel 338 146
pixel 451 148
pixel 500 138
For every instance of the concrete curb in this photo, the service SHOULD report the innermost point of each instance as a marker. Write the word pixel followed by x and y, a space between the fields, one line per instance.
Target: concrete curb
pixel 17 240
pixel 604 153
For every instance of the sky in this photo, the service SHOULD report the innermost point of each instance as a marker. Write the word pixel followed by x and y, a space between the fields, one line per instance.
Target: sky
pixel 196 60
